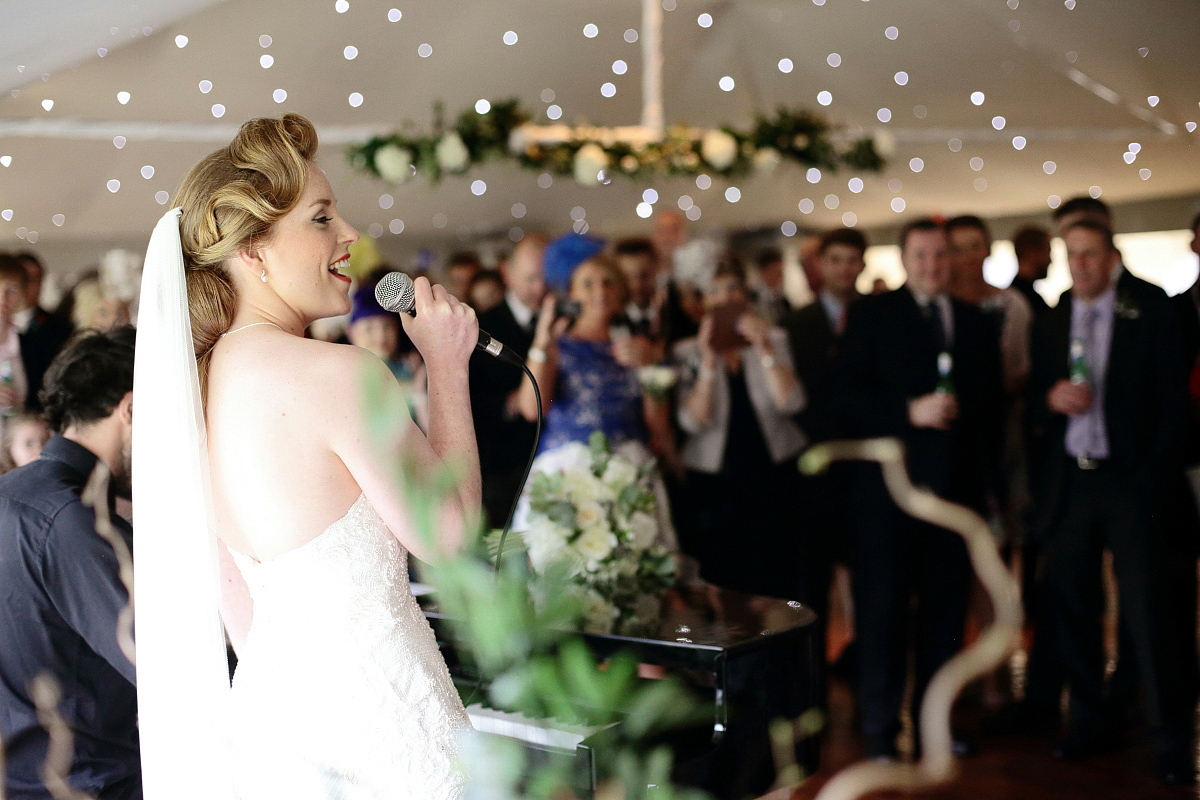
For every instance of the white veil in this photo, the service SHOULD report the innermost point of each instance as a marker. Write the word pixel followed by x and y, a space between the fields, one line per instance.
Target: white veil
pixel 182 673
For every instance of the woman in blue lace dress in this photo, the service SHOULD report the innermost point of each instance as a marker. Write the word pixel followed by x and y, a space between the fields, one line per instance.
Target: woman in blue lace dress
pixel 587 370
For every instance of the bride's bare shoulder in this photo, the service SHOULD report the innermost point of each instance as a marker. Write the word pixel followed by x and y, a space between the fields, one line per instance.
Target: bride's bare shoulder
pixel 308 370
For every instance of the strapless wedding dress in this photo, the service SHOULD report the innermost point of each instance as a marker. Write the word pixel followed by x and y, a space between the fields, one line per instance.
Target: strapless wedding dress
pixel 340 692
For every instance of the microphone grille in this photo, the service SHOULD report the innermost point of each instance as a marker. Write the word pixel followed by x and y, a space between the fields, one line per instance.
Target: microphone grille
pixel 396 292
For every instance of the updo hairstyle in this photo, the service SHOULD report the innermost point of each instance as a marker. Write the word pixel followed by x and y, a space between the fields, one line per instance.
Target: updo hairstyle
pixel 231 201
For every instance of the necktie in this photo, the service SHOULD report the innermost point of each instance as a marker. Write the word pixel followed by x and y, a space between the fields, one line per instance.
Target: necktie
pixel 933 320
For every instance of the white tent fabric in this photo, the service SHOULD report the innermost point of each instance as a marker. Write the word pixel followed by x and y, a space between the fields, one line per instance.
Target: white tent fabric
pixel 1083 83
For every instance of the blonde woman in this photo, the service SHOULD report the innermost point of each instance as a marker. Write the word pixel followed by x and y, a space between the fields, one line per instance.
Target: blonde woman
pixel 340 690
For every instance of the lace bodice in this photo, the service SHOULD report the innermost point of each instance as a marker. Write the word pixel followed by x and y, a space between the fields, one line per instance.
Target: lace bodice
pixel 340 690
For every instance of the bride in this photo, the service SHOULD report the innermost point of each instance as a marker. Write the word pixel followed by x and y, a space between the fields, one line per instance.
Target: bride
pixel 340 690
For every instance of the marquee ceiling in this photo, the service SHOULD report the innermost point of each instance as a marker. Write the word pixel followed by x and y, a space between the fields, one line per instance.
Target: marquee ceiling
pixel 1084 82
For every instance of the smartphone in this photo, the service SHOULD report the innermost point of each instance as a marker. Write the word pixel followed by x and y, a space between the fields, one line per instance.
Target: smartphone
pixel 724 331
pixel 571 309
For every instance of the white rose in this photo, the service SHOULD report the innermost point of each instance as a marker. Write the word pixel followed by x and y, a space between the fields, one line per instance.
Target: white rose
pixel 766 159
pixel 719 149
pixel 595 544
pixel 644 529
pixel 656 378
pixel 885 143
pixel 618 474
pixel 598 612
pixel 393 163
pixel 452 154
pixel 518 140
pixel 545 540
pixel 579 484
pixel 589 161
pixel 590 515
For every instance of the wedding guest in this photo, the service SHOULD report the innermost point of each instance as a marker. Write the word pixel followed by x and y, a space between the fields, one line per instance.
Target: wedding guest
pixel 683 307
pixel 639 261
pixel 809 252
pixel 505 438
pixel 692 269
pixel 24 436
pixel 814 336
pixel 14 377
pixel 93 308
pixel 924 367
pixel 815 331
pixel 1108 389
pixel 460 269
pixel 588 377
pixel 62 590
pixel 1031 245
pixel 486 289
pixel 772 304
pixel 42 333
pixel 1182 537
pixel 741 444
pixel 970 245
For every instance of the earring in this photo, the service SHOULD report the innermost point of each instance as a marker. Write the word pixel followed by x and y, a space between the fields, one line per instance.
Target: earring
pixel 263 276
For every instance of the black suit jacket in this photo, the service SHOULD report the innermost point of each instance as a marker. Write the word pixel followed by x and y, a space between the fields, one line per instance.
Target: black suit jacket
pixel 888 358
pixel 504 442
pixel 814 346
pixel 40 343
pixel 1145 395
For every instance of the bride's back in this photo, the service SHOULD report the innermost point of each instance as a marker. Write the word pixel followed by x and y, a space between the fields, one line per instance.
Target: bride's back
pixel 272 404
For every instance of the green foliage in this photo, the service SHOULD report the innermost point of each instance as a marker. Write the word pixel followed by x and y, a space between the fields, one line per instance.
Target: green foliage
pixel 799 136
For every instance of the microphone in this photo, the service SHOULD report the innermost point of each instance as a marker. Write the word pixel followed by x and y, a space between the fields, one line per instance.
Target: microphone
pixel 396 292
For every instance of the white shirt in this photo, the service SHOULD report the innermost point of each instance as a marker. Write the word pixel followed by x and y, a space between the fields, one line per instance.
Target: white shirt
pixel 521 312
pixel 834 309
pixel 23 318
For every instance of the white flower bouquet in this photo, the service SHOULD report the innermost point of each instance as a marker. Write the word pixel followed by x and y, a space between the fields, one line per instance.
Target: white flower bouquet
pixel 597 515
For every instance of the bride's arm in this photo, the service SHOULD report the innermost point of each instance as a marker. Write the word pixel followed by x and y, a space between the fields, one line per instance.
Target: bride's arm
pixel 379 456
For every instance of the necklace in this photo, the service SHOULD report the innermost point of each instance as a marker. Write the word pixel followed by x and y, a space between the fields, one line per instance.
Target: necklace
pixel 251 325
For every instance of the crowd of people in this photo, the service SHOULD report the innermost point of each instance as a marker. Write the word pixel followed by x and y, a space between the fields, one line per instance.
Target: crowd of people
pixel 1071 429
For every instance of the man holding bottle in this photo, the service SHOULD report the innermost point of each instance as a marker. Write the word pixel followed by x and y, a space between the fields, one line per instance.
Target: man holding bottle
pixel 923 367
pixel 1108 403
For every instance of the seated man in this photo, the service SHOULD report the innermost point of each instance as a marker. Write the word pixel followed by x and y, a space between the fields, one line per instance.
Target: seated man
pixel 62 590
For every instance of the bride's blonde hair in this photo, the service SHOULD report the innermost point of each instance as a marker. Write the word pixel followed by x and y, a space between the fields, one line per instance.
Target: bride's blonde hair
pixel 231 201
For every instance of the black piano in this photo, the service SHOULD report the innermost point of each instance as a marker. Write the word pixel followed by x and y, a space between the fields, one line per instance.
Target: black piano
pixel 752 658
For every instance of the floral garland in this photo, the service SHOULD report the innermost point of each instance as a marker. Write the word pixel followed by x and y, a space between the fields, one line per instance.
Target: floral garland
pixel 798 136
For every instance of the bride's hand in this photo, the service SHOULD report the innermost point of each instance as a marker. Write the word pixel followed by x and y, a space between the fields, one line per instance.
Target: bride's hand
pixel 444 330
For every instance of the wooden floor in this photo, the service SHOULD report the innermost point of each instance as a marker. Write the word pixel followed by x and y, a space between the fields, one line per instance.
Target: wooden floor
pixel 1004 768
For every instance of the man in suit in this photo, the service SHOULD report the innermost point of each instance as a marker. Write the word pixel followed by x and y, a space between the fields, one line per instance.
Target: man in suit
pixel 42 334
pixel 772 304
pixel 1032 247
pixel 925 368
pixel 638 260
pixel 1108 398
pixel 505 439
pixel 814 333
